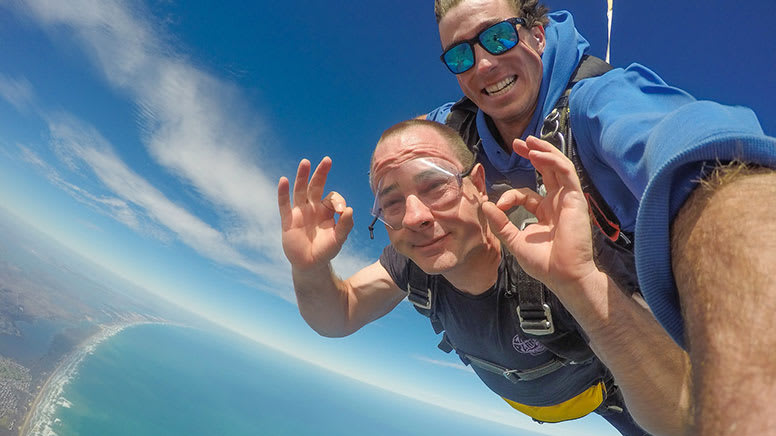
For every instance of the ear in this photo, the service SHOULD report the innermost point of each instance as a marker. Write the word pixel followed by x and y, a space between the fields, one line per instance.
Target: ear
pixel 538 40
pixel 478 179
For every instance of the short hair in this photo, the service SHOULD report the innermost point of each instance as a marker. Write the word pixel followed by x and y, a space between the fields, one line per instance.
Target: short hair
pixel 531 11
pixel 461 152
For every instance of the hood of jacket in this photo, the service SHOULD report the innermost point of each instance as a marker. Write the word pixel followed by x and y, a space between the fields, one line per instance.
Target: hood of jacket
pixel 562 52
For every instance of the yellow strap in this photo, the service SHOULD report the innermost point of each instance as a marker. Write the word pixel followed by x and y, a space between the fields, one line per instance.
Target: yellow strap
pixel 573 408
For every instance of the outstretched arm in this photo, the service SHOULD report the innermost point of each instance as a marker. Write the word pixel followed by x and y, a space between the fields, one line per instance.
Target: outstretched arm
pixel 311 239
pixel 724 262
pixel 649 367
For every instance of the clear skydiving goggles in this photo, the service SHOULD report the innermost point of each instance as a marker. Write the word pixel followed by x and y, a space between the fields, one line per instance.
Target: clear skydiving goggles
pixel 434 182
pixel 496 39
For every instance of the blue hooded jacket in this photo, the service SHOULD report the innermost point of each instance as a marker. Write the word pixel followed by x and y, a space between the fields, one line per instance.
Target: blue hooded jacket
pixel 644 145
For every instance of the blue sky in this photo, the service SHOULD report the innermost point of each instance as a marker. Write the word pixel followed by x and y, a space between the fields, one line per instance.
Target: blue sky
pixel 149 137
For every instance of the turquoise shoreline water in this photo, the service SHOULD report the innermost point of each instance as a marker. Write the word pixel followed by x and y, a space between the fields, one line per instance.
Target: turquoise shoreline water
pixel 165 380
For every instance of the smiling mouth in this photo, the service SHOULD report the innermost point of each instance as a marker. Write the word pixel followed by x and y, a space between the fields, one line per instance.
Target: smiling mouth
pixel 501 87
pixel 432 242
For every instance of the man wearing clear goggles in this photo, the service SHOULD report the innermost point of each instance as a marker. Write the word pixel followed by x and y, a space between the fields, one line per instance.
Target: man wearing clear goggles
pixel 704 252
pixel 433 200
pixel 435 182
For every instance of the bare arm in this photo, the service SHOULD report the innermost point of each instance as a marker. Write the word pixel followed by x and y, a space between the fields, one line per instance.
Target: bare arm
pixel 724 261
pixel 311 238
pixel 652 371
pixel 335 307
pixel 649 367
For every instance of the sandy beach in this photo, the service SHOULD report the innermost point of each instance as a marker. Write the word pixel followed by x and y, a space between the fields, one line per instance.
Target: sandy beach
pixel 40 418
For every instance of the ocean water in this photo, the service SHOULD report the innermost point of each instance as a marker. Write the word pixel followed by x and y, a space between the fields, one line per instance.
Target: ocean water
pixel 166 380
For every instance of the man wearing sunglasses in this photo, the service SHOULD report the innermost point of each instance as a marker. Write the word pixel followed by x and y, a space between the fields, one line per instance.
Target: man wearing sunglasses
pixel 432 198
pixel 641 147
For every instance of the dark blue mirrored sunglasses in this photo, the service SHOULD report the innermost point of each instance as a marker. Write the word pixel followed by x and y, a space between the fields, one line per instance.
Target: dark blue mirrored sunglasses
pixel 496 39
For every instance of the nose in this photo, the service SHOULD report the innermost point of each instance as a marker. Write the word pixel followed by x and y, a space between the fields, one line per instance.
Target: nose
pixel 416 214
pixel 484 60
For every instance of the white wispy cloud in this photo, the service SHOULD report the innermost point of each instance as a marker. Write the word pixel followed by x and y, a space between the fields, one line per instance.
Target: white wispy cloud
pixel 84 145
pixel 29 156
pixel 192 123
pixel 111 206
pixel 17 91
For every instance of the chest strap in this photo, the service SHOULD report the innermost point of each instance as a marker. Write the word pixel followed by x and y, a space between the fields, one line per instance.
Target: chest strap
pixel 516 375
pixel 513 375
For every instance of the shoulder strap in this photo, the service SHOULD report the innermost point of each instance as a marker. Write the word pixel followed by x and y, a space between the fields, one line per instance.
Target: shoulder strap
pixel 589 66
pixel 463 119
pixel 533 312
pixel 556 129
pixel 420 292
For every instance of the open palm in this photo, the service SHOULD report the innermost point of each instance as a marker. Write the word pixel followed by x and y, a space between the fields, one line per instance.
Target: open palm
pixel 311 236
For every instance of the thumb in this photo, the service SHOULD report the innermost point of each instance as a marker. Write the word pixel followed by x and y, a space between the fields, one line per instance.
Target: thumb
pixel 504 229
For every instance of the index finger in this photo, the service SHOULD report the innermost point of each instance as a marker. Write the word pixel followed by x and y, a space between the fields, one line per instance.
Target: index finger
pixel 318 179
pixel 529 149
pixel 555 167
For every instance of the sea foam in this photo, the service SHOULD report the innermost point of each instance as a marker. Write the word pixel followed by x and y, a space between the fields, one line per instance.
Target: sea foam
pixel 43 413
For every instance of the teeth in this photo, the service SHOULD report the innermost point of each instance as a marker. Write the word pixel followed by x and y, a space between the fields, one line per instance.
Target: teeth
pixel 501 87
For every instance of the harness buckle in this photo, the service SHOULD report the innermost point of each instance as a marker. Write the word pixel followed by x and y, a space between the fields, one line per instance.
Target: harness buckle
pixel 550 131
pixel 512 375
pixel 551 124
pixel 536 322
pixel 419 297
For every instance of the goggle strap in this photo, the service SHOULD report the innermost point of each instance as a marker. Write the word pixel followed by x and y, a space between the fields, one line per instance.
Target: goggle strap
pixel 372 228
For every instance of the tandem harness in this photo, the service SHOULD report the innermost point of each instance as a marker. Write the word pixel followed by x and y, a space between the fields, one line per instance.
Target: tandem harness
pixel 541 317
pixel 540 313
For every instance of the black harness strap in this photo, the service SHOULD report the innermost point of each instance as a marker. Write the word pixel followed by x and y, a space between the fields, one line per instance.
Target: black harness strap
pixel 419 290
pixel 556 130
pixel 532 309
pixel 420 293
pixel 543 317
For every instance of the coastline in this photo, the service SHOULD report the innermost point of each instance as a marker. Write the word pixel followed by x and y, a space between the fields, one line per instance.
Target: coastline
pixel 39 418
